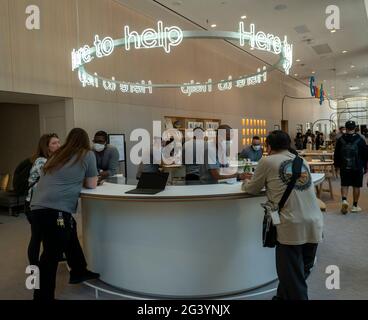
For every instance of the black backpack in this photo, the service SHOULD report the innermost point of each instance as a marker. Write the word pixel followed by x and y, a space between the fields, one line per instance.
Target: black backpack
pixel 350 154
pixel 20 179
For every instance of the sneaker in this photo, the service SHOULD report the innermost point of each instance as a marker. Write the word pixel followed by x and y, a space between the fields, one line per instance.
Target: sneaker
pixel 344 207
pixel 356 209
pixel 85 276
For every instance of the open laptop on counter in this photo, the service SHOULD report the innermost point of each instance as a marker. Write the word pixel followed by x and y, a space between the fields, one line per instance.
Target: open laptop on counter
pixel 150 183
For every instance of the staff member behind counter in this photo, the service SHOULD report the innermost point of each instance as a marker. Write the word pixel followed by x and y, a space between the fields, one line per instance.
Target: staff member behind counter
pixel 253 152
pixel 107 156
pixel 206 166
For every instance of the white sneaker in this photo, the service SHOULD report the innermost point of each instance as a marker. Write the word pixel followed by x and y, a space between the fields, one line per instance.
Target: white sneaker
pixel 344 207
pixel 356 209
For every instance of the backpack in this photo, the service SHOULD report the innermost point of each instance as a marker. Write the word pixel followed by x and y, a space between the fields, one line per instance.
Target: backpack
pixel 350 155
pixel 20 179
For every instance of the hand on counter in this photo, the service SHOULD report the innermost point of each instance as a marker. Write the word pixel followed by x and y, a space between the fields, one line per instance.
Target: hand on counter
pixel 245 176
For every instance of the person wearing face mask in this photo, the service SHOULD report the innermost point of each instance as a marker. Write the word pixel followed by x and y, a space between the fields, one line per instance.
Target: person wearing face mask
pixel 299 230
pixel 214 160
pixel 253 152
pixel 350 157
pixel 107 156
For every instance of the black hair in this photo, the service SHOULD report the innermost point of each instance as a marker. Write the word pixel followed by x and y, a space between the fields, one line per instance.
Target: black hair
pixel 102 134
pixel 278 140
pixel 256 138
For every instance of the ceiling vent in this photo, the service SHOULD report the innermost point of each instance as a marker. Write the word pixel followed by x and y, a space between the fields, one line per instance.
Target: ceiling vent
pixel 301 29
pixel 322 49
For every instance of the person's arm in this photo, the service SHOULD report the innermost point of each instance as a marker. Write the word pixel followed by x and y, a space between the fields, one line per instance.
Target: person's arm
pixel 337 154
pixel 258 181
pixel 90 183
pixel 90 180
pixel 215 173
pixel 113 164
pixel 364 153
pixel 36 171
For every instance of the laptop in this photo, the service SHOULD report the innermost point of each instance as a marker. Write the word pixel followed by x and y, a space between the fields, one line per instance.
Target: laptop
pixel 150 183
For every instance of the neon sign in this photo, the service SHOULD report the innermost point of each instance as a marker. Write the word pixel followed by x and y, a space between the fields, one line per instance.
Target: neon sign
pixel 169 37
pixel 162 38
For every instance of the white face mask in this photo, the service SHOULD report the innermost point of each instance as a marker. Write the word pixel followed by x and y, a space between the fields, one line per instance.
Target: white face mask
pixel 98 147
pixel 257 148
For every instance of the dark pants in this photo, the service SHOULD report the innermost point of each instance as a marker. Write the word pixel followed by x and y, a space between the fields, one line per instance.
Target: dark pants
pixel 56 240
pixel 293 264
pixel 34 245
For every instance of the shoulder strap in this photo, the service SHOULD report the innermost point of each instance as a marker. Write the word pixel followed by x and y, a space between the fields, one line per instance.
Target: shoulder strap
pixel 356 142
pixel 297 169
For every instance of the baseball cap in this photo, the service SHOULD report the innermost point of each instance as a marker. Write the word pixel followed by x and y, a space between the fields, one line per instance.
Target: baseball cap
pixel 350 125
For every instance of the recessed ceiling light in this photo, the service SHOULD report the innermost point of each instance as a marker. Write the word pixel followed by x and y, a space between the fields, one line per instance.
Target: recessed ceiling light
pixel 313 72
pixel 332 87
pixel 243 17
pixel 280 7
pixel 295 74
pixel 354 88
pixel 352 66
pixel 213 25
pixel 333 30
pixel 344 51
pixel 297 60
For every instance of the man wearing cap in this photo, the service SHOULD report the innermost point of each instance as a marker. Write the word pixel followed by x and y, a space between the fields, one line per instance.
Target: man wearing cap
pixel 351 158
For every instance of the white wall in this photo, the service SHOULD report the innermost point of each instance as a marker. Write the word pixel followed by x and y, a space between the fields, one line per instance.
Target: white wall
pixel 19 129
pixel 38 62
pixel 53 119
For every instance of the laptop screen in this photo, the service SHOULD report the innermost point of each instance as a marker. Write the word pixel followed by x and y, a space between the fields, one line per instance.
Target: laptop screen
pixel 153 180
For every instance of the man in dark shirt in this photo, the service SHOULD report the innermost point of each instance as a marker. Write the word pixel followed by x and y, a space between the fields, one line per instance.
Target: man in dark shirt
pixel 107 156
pixel 351 158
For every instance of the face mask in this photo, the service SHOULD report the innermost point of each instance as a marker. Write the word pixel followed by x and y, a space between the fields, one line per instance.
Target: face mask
pixel 98 147
pixel 257 148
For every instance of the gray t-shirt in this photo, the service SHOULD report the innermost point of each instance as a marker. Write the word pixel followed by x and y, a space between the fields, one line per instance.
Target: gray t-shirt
pixel 108 160
pixel 60 189
pixel 211 161
pixel 250 153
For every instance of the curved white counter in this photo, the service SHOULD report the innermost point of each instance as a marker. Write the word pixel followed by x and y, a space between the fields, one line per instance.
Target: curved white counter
pixel 188 241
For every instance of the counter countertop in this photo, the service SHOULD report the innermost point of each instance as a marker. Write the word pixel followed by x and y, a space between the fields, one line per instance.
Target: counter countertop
pixel 110 191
